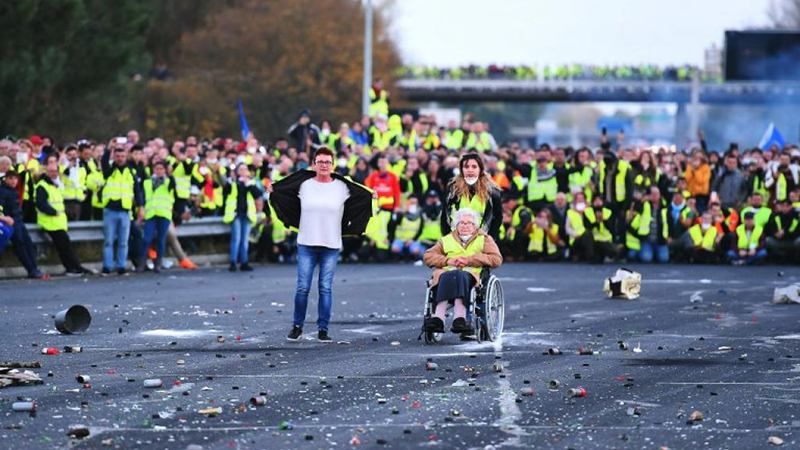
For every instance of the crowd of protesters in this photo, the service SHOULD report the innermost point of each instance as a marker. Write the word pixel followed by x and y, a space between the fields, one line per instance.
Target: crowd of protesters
pixel 578 72
pixel 608 203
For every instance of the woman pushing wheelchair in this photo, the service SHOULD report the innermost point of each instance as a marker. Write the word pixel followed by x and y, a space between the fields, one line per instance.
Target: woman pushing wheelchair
pixel 459 261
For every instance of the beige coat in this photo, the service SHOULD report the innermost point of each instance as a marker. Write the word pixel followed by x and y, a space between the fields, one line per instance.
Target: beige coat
pixel 489 257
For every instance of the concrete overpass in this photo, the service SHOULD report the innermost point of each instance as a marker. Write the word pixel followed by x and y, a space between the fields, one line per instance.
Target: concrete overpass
pixel 503 90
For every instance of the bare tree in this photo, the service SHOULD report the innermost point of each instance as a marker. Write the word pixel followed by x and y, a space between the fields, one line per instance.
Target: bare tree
pixel 784 14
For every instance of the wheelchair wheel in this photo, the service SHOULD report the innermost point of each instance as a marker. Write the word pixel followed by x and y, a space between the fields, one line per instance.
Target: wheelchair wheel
pixel 432 338
pixel 493 310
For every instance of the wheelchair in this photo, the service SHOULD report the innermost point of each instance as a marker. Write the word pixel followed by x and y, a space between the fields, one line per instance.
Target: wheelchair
pixel 486 310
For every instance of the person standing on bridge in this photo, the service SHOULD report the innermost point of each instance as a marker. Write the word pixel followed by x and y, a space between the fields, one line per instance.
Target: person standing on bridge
pixel 324 206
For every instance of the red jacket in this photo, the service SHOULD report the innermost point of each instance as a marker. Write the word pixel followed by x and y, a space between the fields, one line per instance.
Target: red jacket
pixel 387 187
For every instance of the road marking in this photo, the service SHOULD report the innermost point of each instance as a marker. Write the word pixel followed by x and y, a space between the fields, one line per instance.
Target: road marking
pixel 179 334
pixel 320 377
pixel 724 383
pixel 539 289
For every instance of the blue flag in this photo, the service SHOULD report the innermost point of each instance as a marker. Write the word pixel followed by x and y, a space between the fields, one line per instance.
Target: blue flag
pixel 771 136
pixel 243 121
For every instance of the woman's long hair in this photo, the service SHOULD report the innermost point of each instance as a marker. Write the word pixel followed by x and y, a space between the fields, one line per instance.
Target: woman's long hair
pixel 483 187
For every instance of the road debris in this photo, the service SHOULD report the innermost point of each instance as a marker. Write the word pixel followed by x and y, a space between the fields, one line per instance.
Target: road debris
pixel 624 284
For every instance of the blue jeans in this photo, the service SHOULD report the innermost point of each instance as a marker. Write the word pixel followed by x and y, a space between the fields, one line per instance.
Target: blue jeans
pixel 6 232
pixel 240 244
pixel 116 227
pixel 761 254
pixel 308 258
pixel 414 248
pixel 152 227
pixel 645 254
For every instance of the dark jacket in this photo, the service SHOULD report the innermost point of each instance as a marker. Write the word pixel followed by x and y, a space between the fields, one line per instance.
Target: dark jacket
pixel 285 198
pixel 299 134
pixel 9 203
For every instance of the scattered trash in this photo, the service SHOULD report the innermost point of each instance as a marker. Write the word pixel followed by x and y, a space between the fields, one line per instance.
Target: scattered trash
pixel 24 406
pixel 695 416
pixel 576 392
pixel 355 440
pixel 553 384
pixel 623 284
pixel 430 365
pixel 215 411
pixel 775 440
pixel 553 351
pixel 724 348
pixel 455 412
pixel 586 351
pixel 459 383
pixel 497 366
pixel 73 349
pixel 395 343
pixel 259 400
pixel 52 351
pixel 696 297
pixel 13 377
pixel 634 411
pixel 527 391
pixel 788 294
pixel 623 345
pixel 75 319
pixel 286 425
pixel 153 383
pixel 78 431
pixel 83 379
pixel 638 348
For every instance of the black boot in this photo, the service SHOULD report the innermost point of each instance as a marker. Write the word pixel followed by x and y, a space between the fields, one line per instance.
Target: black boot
pixel 434 325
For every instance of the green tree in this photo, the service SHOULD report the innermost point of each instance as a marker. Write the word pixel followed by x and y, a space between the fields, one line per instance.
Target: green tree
pixel 67 60
pixel 279 57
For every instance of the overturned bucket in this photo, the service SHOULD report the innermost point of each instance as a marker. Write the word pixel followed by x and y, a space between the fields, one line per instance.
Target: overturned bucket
pixel 75 319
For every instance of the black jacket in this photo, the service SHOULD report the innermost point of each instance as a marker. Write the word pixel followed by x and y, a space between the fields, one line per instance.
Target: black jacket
pixel 285 198
pixel 9 203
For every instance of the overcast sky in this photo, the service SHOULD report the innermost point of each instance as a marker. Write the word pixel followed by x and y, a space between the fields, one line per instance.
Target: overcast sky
pixel 456 32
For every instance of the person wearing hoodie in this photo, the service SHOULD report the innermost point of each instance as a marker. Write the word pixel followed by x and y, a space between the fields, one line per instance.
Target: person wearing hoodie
pixel 305 135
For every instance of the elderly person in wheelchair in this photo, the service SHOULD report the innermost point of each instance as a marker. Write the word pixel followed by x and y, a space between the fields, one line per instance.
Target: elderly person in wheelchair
pixel 458 261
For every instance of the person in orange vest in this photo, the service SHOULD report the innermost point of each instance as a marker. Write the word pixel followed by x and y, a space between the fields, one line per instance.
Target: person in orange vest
pixel 386 185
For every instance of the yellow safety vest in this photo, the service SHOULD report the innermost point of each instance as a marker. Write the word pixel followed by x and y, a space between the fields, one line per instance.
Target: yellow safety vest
pixel 745 243
pixel 538 238
pixel 780 188
pixel 705 240
pixel 762 214
pixel 431 229
pixel 378 229
pixel 601 233
pixel 640 223
pixel 183 180
pixel 119 187
pixel 475 204
pixel 74 190
pixel 580 181
pixel 407 229
pixel 158 203
pixel 232 200
pixel 542 190
pixel 452 248
pixel 56 200
pixel 575 220
pixel 619 180
pixel 279 230
pixel 379 102
pixel 454 140
pixel 480 143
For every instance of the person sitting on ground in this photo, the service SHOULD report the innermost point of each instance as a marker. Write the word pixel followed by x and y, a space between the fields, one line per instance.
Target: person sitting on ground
pixel 544 241
pixel 705 240
pixel 457 260
pixel 749 246
pixel 406 227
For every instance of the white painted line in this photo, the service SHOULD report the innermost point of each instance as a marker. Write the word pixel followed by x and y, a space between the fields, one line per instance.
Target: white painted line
pixel 539 289
pixel 725 383
pixel 178 334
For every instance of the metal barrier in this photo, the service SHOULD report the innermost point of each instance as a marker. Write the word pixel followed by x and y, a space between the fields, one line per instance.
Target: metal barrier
pixel 93 230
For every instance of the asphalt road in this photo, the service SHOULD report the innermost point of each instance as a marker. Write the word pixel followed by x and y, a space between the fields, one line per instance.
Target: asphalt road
pixel 709 338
